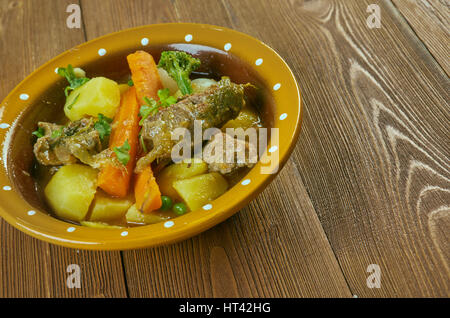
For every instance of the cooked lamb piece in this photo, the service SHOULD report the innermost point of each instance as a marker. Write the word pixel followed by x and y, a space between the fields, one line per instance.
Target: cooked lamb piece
pixel 213 108
pixel 66 145
pixel 48 151
pixel 232 154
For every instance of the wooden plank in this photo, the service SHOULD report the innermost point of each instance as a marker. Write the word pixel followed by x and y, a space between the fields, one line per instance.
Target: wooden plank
pixel 373 152
pixel 274 247
pixel 430 21
pixel 123 15
pixel 32 32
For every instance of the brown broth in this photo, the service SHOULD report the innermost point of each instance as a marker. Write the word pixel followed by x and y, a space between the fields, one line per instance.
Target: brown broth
pixel 30 177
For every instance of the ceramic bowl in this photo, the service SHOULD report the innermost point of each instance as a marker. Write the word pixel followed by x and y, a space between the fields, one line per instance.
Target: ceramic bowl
pixel 41 94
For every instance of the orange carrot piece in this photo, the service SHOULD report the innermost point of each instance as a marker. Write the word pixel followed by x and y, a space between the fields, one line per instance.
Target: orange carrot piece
pixel 112 179
pixel 146 191
pixel 144 73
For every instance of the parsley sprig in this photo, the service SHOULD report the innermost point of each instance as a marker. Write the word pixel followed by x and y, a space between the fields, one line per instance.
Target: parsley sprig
pixel 165 99
pixel 74 81
pixel 69 107
pixel 151 107
pixel 123 153
pixel 142 142
pixel 103 126
pixel 39 132
pixel 57 133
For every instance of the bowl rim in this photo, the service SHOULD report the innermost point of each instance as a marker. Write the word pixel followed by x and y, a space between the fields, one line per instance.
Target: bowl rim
pixel 175 234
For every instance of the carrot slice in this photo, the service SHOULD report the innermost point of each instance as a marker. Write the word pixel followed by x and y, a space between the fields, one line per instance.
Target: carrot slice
pixel 147 82
pixel 112 179
pixel 144 73
pixel 146 191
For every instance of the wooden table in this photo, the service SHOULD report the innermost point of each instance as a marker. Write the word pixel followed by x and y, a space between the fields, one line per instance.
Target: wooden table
pixel 368 182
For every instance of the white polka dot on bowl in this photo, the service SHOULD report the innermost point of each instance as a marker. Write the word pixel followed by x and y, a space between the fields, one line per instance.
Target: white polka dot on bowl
pixel 277 86
pixel 102 52
pixel 124 233
pixel 259 62
pixel 24 96
pixel 188 38
pixel 31 212
pixel 246 182
pixel 7 188
pixel 168 224
pixel 145 41
pixel 71 229
pixel 227 46
pixel 273 149
pixel 4 126
pixel 283 116
pixel 207 207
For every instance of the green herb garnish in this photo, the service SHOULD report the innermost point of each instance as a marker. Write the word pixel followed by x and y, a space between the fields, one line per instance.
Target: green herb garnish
pixel 69 107
pixel 74 81
pixel 103 126
pixel 151 107
pixel 39 132
pixel 130 83
pixel 142 141
pixel 57 133
pixel 165 99
pixel 123 153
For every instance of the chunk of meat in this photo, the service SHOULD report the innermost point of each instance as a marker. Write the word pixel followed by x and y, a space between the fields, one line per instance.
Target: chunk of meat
pixel 48 151
pixel 227 154
pixel 214 107
pixel 66 145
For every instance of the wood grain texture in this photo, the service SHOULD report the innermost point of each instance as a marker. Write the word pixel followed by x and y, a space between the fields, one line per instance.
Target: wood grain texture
pixel 430 20
pixel 368 183
pixel 31 33
pixel 374 149
pixel 273 248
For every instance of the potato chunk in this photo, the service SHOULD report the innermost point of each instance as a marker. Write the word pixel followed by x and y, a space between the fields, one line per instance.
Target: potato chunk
pixel 135 216
pixel 71 191
pixel 200 190
pixel 106 208
pixel 98 96
pixel 179 171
